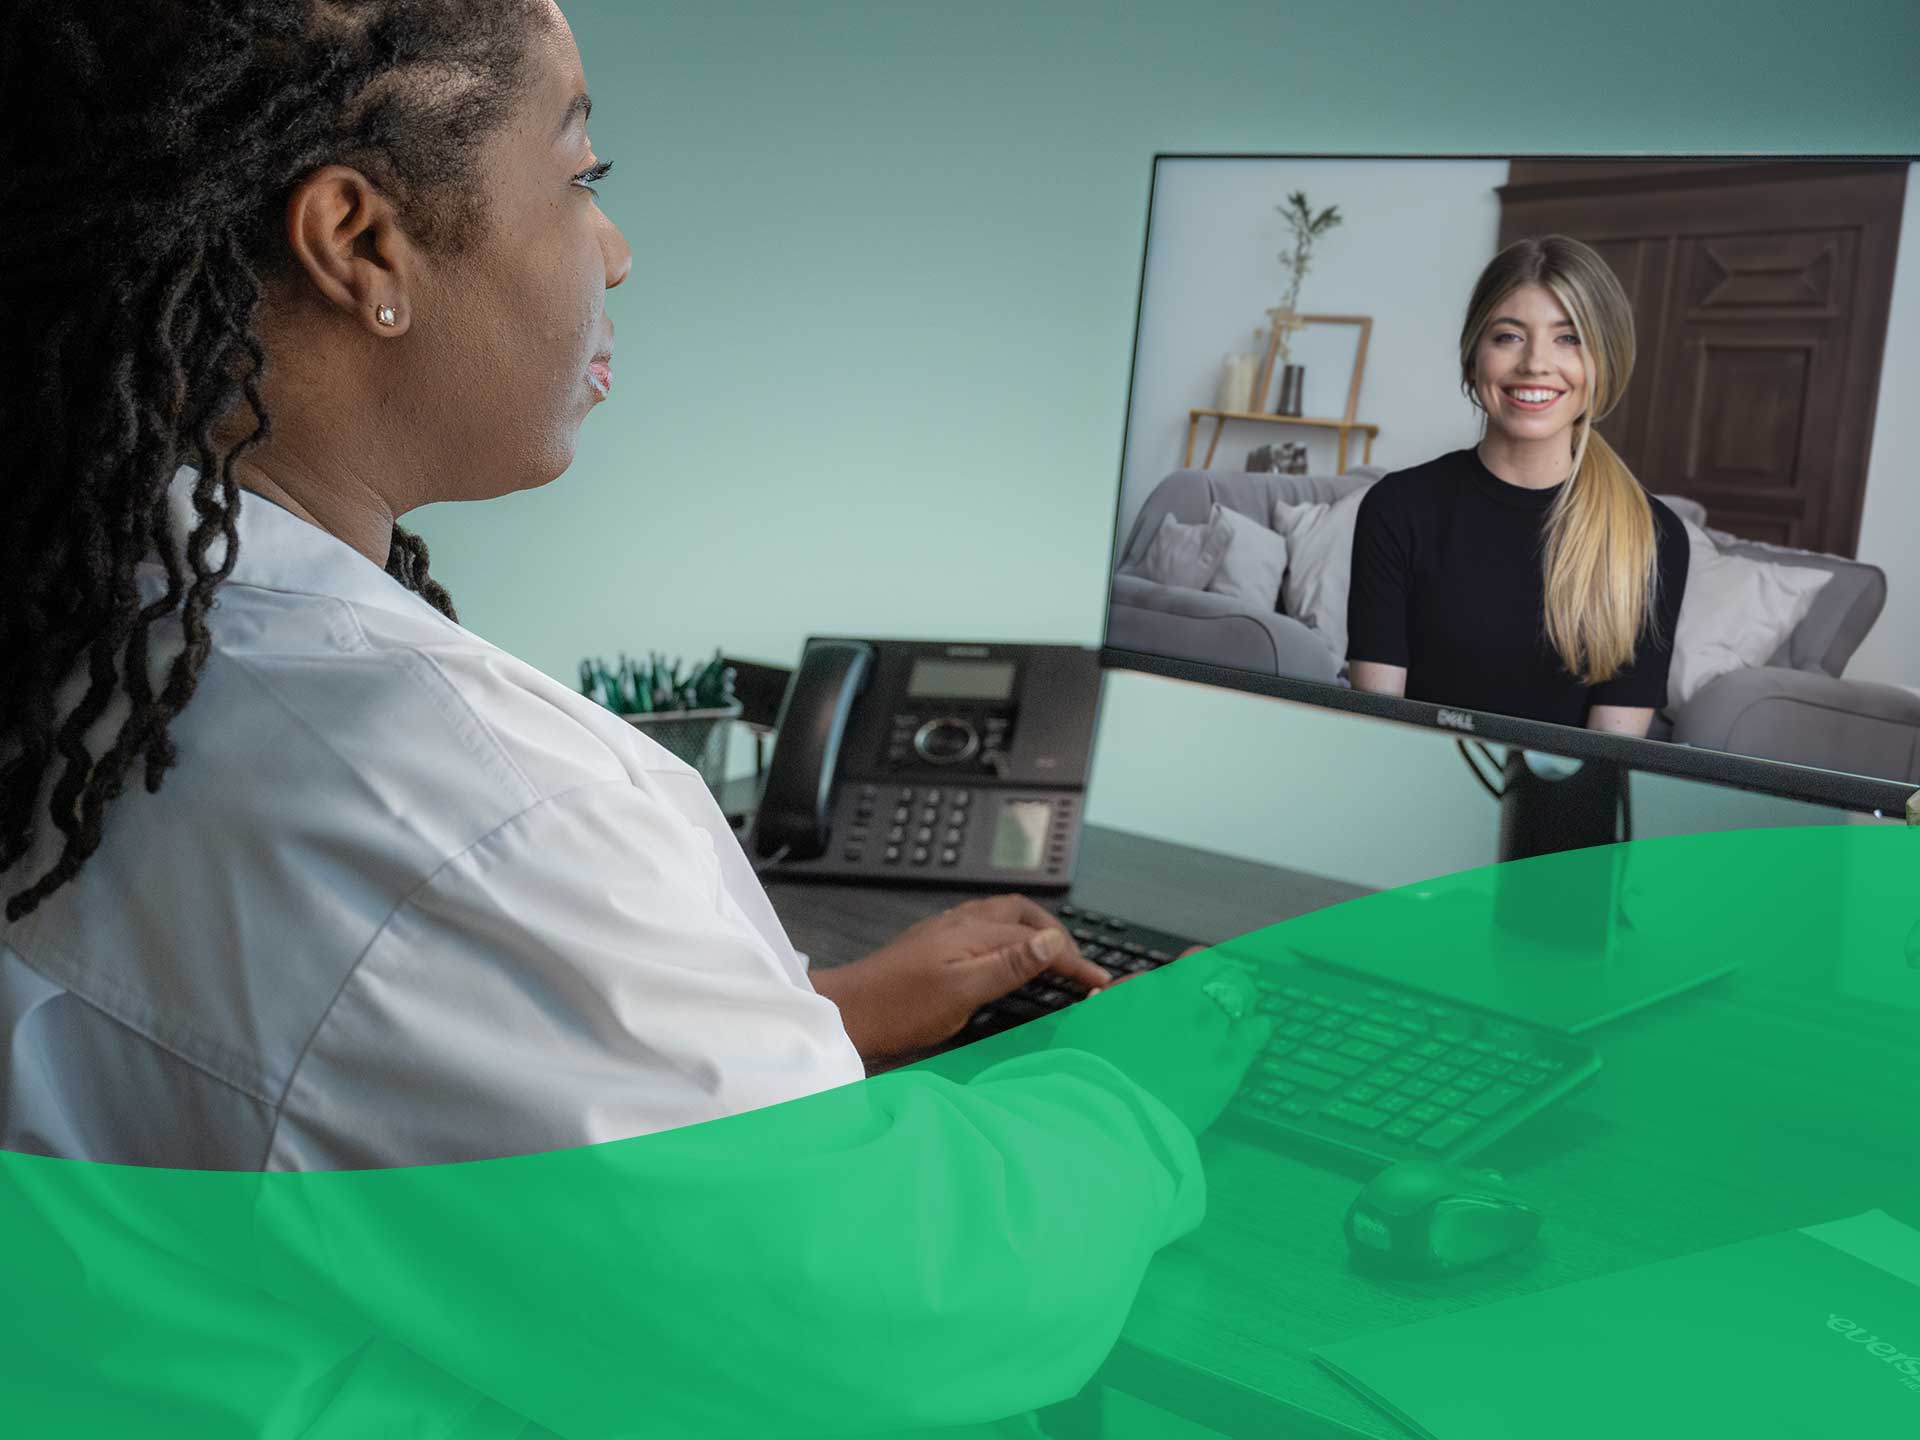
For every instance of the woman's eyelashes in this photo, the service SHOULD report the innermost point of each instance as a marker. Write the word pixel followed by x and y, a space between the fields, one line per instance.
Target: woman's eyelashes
pixel 1510 335
pixel 592 173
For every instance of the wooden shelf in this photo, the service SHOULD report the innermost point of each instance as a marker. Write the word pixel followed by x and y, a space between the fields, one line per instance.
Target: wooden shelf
pixel 1220 418
pixel 1288 420
pixel 1284 321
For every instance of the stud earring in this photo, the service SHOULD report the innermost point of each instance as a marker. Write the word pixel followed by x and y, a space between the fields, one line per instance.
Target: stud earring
pixel 384 314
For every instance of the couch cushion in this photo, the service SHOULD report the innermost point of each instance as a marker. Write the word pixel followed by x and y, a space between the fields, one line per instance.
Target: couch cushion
pixel 1190 495
pixel 1255 561
pixel 1184 555
pixel 1842 614
pixel 1736 611
pixel 1320 563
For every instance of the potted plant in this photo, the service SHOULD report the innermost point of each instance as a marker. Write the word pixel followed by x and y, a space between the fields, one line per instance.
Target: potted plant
pixel 686 714
pixel 1307 228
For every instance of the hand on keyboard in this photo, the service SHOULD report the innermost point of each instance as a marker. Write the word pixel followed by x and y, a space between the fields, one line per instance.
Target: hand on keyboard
pixel 920 989
pixel 1190 950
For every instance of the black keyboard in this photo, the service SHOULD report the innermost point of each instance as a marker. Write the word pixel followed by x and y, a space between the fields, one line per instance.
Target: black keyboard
pixel 1366 1068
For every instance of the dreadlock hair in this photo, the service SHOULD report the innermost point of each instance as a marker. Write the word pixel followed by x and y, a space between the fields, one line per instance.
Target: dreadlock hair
pixel 150 150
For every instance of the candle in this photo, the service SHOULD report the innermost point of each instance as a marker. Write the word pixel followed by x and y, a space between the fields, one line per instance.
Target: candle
pixel 1236 382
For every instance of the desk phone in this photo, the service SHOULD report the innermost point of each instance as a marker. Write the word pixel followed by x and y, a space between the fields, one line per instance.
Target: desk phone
pixel 932 763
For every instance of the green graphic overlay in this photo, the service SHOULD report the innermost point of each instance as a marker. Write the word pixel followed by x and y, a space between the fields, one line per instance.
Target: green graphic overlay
pixel 1023 1237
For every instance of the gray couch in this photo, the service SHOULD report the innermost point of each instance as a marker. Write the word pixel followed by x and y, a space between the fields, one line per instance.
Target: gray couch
pixel 1215 629
pixel 1797 707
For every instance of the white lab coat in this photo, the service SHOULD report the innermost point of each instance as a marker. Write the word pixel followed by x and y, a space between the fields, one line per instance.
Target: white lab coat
pixel 405 899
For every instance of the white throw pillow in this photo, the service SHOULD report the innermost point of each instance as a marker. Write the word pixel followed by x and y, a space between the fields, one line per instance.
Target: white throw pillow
pixel 1185 555
pixel 1319 564
pixel 1734 614
pixel 1255 561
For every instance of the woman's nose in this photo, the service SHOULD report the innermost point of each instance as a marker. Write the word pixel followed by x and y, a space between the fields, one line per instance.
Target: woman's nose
pixel 619 256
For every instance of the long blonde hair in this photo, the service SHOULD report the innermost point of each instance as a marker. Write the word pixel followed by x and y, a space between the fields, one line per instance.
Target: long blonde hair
pixel 1600 550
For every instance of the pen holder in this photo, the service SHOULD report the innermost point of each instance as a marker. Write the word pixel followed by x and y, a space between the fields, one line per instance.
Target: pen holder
pixel 698 737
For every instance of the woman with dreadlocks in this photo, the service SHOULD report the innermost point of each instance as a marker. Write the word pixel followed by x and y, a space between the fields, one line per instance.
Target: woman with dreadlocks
pixel 300 874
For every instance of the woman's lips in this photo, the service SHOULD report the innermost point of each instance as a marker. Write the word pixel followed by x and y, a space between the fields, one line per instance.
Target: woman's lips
pixel 1520 404
pixel 600 376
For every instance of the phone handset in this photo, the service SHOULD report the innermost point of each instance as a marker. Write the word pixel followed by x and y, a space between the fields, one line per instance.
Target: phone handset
pixel 812 724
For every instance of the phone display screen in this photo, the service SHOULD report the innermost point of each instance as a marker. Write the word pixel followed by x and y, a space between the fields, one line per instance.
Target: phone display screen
pixel 1020 838
pixel 961 680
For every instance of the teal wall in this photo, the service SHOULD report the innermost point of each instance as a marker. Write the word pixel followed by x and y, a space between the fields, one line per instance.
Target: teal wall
pixel 873 354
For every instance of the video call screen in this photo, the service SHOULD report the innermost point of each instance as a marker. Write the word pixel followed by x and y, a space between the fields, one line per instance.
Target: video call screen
pixel 1359 394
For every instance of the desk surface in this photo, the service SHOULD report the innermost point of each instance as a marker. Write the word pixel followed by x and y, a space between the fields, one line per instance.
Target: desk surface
pixel 1783 1095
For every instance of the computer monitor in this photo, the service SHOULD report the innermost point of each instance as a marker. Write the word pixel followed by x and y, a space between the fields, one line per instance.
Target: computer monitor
pixel 1763 555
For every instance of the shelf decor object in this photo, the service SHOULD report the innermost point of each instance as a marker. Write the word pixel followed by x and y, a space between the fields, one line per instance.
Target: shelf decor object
pixel 1346 425
pixel 1307 228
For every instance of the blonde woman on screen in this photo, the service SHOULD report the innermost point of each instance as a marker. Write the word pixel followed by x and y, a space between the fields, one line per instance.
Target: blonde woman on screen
pixel 1530 575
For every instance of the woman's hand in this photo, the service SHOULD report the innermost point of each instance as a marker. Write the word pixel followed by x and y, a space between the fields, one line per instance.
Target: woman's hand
pixel 919 990
pixel 1377 679
pixel 1620 719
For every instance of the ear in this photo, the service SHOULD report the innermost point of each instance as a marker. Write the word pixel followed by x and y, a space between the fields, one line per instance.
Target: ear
pixel 346 239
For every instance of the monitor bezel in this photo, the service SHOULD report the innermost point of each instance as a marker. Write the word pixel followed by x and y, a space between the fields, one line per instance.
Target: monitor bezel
pixel 1837 788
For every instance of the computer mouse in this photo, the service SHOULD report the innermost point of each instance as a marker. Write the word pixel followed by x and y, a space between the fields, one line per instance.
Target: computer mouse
pixel 1422 1217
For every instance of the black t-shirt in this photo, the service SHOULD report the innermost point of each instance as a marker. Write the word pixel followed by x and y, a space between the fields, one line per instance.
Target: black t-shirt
pixel 1448 583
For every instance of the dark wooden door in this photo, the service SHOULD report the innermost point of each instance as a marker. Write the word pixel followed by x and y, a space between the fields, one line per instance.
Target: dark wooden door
pixel 1760 293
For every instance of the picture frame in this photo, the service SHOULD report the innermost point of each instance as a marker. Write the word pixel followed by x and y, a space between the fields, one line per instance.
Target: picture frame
pixel 1264 400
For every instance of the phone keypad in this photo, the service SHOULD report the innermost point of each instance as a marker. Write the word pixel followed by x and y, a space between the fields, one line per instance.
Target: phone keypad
pixel 905 829
pixel 925 825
